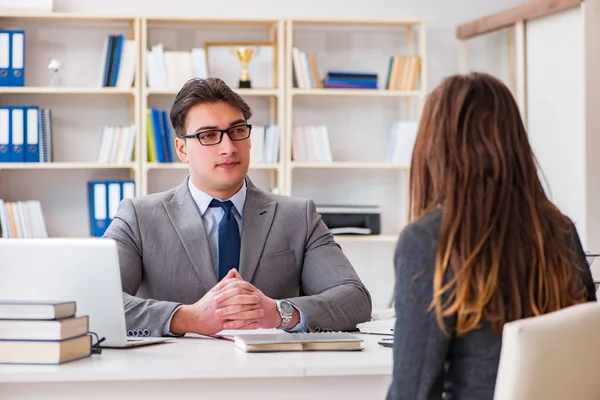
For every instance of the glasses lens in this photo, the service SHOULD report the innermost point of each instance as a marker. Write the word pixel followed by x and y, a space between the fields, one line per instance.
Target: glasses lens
pixel 239 132
pixel 209 137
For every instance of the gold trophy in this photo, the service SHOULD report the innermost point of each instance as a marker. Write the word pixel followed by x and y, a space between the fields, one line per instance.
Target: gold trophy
pixel 244 55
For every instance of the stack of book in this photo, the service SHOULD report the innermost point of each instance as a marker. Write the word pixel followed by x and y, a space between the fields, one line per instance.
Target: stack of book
pixel 104 198
pixel 25 134
pixel 305 73
pixel 350 80
pixel 22 219
pixel 160 136
pixel 117 144
pixel 265 144
pixel 310 143
pixel 42 333
pixel 171 69
pixel 119 60
pixel 403 73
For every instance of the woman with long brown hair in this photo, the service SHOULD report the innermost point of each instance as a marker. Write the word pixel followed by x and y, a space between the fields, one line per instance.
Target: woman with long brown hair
pixel 485 245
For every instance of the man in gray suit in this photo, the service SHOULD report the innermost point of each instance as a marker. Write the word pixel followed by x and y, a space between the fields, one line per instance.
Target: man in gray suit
pixel 218 253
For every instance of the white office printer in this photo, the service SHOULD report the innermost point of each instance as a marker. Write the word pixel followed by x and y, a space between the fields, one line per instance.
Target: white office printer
pixel 380 324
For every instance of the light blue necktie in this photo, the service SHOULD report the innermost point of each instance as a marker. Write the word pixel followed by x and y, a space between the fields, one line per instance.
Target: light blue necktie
pixel 229 238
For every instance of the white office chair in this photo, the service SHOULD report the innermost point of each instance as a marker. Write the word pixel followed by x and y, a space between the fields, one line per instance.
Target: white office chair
pixel 553 356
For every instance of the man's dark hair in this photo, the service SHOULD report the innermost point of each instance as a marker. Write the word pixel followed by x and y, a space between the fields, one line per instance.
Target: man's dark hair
pixel 198 91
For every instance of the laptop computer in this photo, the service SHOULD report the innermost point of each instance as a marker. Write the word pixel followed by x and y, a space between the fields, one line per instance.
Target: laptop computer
pixel 67 269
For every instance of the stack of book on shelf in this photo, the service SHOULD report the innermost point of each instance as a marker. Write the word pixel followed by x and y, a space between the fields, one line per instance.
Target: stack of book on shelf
pixel 160 137
pixel 119 60
pixel 403 73
pixel 350 80
pixel 12 57
pixel 171 69
pixel 25 134
pixel 104 198
pixel 265 144
pixel 42 333
pixel 310 143
pixel 305 73
pixel 117 144
pixel 402 141
pixel 22 219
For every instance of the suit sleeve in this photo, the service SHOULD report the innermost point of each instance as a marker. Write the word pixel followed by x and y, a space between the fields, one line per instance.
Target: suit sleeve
pixel 334 296
pixel 420 346
pixel 139 313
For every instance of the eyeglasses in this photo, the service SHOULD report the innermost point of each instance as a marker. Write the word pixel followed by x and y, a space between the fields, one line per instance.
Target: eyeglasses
pixel 215 136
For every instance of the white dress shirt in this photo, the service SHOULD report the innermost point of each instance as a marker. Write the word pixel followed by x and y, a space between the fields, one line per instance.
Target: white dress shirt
pixel 211 216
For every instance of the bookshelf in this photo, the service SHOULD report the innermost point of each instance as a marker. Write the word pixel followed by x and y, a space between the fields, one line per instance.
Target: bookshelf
pixel 80 108
pixel 358 122
pixel 184 34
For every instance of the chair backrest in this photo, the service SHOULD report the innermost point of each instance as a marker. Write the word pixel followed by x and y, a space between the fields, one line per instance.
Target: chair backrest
pixel 553 356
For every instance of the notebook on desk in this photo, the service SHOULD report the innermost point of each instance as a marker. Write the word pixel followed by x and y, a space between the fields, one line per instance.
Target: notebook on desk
pixel 313 341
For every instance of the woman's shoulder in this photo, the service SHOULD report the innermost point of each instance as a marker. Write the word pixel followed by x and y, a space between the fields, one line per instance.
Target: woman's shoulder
pixel 420 237
pixel 426 226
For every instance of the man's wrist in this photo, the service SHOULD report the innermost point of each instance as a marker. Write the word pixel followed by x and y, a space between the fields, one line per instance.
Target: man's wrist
pixel 179 322
pixel 295 319
pixel 167 326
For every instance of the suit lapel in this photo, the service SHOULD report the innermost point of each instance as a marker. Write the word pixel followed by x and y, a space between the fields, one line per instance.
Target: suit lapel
pixel 259 211
pixel 186 218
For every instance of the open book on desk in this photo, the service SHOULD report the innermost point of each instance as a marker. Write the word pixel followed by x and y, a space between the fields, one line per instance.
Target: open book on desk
pixel 381 324
pixel 312 341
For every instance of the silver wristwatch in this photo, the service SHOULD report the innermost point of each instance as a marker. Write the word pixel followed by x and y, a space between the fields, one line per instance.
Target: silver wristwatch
pixel 286 310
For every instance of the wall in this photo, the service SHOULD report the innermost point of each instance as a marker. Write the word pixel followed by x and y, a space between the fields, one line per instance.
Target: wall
pixel 556 109
pixel 592 122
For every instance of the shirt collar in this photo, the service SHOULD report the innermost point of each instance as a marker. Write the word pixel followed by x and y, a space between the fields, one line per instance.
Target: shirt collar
pixel 203 199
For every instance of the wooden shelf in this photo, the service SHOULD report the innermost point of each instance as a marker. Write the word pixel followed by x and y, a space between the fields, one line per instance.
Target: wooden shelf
pixel 347 165
pixel 66 165
pixel 241 92
pixel 210 21
pixel 265 166
pixel 66 17
pixel 66 90
pixel 176 165
pixel 386 23
pixel 179 165
pixel 366 238
pixel 356 93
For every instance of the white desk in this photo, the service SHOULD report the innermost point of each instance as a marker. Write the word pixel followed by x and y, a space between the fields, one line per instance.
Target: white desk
pixel 206 368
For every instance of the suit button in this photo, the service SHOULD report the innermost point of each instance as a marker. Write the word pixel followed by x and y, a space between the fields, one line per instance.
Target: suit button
pixel 146 332
pixel 130 333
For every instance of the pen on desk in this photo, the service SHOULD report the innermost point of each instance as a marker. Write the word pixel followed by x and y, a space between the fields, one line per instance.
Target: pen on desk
pixel 222 338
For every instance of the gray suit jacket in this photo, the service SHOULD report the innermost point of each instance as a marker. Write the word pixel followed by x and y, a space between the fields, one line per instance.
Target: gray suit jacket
pixel 286 251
